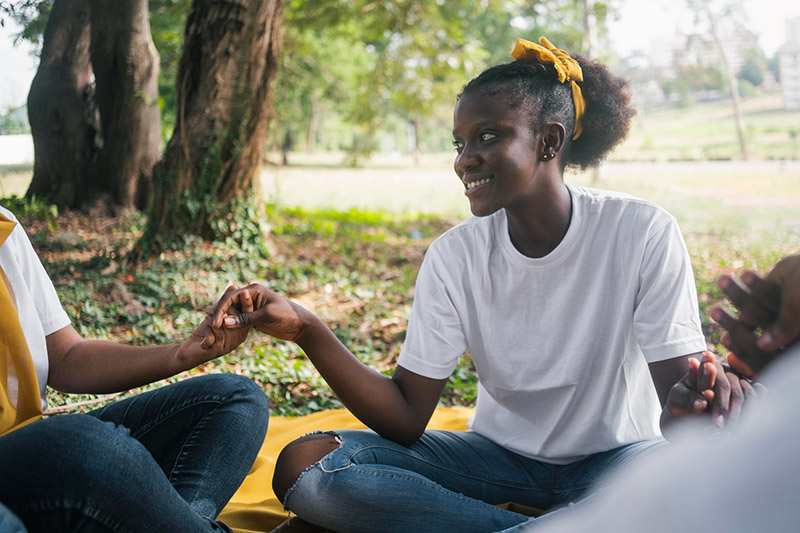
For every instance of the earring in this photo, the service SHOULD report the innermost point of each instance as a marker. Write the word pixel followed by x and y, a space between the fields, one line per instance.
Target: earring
pixel 545 157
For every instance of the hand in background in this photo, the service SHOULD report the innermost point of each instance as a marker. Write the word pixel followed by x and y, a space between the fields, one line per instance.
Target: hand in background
pixel 772 304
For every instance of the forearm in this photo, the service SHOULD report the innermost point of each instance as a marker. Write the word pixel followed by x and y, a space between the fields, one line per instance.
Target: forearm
pixel 94 366
pixel 373 398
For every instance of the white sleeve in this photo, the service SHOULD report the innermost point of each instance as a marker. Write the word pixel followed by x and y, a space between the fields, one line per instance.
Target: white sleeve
pixel 27 266
pixel 666 314
pixel 435 337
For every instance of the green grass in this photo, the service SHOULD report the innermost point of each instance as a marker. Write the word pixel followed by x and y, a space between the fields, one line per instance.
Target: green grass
pixel 347 243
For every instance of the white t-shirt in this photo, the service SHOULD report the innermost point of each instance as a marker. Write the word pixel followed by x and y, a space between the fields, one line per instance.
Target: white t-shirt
pixel 39 309
pixel 748 482
pixel 561 343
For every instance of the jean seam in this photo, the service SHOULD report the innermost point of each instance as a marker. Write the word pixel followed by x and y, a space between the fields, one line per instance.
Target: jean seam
pixel 94 513
pixel 410 477
pixel 482 479
pixel 198 426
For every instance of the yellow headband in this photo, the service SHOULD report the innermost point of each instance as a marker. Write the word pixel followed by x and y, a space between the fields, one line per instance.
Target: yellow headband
pixel 567 68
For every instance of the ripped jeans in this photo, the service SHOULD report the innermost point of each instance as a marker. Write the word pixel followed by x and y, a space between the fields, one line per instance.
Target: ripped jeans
pixel 446 481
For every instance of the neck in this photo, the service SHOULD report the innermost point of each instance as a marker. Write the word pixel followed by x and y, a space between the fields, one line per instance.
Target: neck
pixel 538 229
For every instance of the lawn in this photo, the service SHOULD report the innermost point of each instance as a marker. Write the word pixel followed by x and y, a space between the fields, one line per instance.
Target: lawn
pixel 347 243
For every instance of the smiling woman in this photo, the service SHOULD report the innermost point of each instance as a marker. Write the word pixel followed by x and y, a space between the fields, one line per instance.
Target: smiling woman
pixel 577 306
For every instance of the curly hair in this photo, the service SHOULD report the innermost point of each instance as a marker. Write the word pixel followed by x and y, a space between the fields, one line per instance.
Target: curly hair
pixel 534 88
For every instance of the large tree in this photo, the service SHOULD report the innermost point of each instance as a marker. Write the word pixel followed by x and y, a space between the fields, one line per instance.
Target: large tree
pixel 93 105
pixel 212 160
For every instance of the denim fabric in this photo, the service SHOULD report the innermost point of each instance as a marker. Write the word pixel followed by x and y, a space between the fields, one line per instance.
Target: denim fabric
pixel 446 481
pixel 165 460
pixel 9 523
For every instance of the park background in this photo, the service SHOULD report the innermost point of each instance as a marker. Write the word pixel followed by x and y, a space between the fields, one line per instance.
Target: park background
pixel 362 114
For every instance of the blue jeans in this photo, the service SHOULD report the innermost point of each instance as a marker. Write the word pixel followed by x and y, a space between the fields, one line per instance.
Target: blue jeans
pixel 446 481
pixel 165 460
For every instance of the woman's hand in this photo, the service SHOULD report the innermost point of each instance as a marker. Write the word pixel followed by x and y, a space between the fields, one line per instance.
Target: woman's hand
pixel 772 304
pixel 206 342
pixel 269 313
pixel 695 390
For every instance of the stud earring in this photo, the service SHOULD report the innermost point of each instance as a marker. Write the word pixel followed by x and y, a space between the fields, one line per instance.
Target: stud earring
pixel 545 157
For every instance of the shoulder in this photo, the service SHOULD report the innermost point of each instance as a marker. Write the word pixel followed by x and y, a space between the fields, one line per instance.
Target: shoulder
pixel 8 214
pixel 618 208
pixel 466 236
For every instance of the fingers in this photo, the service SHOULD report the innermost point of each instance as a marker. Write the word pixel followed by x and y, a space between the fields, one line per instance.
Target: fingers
pixel 781 334
pixel 707 374
pixel 740 366
pixel 209 339
pixel 737 397
pixel 741 340
pixel 722 395
pixel 756 306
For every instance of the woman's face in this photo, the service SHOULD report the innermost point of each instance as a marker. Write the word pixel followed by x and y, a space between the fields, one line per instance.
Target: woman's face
pixel 497 154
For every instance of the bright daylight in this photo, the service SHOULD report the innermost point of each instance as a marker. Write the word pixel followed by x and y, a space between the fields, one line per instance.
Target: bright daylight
pixel 399 266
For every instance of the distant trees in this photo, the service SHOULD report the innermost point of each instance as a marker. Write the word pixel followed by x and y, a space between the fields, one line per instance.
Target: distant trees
pixel 103 101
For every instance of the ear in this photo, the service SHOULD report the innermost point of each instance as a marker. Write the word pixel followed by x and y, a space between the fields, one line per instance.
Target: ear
pixel 551 140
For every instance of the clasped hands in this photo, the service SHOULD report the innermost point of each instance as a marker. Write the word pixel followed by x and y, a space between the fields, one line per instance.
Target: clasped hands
pixel 768 322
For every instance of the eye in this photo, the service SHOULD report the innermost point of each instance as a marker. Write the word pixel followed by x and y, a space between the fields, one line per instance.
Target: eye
pixel 487 136
pixel 459 145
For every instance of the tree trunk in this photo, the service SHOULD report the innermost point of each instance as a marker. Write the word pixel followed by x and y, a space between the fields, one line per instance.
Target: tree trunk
pixel 95 142
pixel 733 85
pixel 126 67
pixel 313 123
pixel 228 61
pixel 61 111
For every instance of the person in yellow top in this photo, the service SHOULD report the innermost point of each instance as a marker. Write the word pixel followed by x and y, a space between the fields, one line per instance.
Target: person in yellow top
pixel 165 460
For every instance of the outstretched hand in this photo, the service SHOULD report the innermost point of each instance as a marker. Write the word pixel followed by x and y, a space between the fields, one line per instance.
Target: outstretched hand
pixel 772 304
pixel 207 342
pixel 269 313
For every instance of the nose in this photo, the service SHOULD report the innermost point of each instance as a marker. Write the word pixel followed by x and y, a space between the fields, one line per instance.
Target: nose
pixel 466 160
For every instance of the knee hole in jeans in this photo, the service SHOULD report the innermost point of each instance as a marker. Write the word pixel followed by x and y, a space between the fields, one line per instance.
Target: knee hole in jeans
pixel 297 456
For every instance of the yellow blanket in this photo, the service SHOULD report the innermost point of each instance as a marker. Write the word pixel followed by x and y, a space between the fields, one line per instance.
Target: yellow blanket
pixel 254 507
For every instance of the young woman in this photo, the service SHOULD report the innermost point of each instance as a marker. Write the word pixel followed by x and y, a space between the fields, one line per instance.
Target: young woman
pixel 165 460
pixel 573 303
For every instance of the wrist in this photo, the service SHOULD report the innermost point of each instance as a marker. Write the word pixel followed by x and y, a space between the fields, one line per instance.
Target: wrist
pixel 310 325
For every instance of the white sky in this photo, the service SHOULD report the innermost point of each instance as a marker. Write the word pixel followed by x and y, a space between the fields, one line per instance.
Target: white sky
pixel 641 22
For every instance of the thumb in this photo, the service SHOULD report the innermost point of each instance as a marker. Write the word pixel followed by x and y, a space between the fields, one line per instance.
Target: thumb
pixel 239 321
pixel 208 339
pixel 780 334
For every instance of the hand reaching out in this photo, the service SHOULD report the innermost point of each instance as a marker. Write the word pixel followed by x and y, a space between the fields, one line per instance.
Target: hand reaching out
pixel 206 342
pixel 771 303
pixel 270 313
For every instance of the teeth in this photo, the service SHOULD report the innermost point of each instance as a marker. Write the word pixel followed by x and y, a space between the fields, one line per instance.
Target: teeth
pixel 473 184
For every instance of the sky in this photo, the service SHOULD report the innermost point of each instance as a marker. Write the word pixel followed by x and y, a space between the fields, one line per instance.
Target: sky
pixel 641 22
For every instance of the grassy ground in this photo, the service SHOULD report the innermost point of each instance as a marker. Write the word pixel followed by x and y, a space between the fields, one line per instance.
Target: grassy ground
pixel 347 243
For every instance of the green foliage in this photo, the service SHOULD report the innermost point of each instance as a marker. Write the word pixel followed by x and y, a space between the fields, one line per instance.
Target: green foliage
pixel 355 268
pixel 15 121
pixel 32 210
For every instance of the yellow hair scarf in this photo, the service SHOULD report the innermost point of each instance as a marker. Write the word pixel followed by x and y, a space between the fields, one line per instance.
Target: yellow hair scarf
pixel 567 68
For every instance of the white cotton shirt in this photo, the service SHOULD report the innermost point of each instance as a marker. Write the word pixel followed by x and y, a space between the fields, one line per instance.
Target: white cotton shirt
pixel 751 476
pixel 39 309
pixel 561 343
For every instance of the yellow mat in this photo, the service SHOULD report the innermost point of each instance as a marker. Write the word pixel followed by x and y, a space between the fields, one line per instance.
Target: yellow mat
pixel 254 507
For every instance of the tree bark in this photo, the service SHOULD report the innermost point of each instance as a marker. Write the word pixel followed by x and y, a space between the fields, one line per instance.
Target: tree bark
pixel 228 61
pixel 95 142
pixel 126 66
pixel 63 118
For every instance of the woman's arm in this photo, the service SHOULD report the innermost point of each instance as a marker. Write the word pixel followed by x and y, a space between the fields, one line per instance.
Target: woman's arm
pixel 397 408
pixel 95 366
